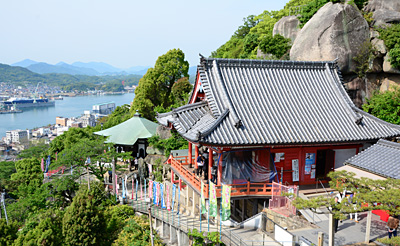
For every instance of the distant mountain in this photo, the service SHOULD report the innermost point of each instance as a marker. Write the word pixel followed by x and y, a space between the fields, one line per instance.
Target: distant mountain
pixel 24 63
pixel 61 67
pixel 80 68
pixel 100 67
pixel 141 70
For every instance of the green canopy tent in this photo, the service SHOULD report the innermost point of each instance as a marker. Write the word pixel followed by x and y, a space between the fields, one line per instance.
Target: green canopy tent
pixel 131 135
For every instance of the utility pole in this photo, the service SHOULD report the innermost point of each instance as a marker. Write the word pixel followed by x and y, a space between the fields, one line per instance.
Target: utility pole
pixel 151 227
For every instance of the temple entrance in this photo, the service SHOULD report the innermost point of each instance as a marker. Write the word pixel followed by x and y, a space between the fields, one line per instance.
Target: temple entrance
pixel 325 163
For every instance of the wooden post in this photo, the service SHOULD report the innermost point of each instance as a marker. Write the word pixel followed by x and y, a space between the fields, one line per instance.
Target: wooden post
pixel 196 155
pixel 368 229
pixel 210 162
pixel 320 238
pixel 331 230
pixel 190 155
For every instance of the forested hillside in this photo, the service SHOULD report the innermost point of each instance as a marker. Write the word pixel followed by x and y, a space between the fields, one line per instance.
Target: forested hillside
pixel 22 76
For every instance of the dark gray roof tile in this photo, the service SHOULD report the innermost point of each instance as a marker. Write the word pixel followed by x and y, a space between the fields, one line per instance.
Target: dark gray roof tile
pixel 381 158
pixel 276 102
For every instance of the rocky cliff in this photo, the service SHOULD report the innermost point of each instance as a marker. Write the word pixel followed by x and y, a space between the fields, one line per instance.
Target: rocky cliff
pixel 340 31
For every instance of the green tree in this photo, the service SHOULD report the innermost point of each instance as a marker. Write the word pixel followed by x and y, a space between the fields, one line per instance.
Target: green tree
pixel 276 45
pixel 7 168
pixel 136 232
pixel 29 176
pixel 383 193
pixel 83 221
pixel 155 87
pixel 43 229
pixel 8 233
pixel 385 105
pixel 69 138
pixel 119 115
pixel 37 151
pixel 116 217
pixel 181 89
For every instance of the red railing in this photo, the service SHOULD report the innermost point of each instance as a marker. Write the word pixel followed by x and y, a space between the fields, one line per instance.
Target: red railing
pixel 248 189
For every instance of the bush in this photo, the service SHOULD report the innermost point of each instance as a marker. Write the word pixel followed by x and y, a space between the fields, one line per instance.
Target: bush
pixel 385 105
pixel 276 45
pixel 391 37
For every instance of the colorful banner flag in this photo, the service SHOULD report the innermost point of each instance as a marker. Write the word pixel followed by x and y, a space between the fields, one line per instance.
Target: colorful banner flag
pixel 133 186
pixel 42 165
pixel 158 194
pixel 226 202
pixel 203 208
pixel 150 188
pixel 141 192
pixel 116 184
pixel 47 164
pixel 136 189
pixel 150 168
pixel 162 196
pixel 173 196
pixel 179 196
pixel 145 194
pixel 123 188
pixel 155 193
pixel 213 200
pixel 168 202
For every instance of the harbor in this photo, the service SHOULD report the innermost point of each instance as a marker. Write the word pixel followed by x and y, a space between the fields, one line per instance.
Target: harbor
pixel 68 107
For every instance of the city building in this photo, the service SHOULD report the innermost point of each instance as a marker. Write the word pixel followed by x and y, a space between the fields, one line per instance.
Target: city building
pixel 61 121
pixel 104 108
pixel 88 119
pixel 16 136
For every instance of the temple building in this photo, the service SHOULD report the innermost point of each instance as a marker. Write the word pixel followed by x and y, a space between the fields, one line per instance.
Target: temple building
pixel 131 135
pixel 262 121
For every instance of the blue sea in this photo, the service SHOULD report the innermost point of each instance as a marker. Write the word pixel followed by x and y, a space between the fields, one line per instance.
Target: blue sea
pixel 69 107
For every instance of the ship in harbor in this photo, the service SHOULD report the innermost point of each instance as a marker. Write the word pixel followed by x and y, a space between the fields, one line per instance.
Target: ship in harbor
pixel 27 102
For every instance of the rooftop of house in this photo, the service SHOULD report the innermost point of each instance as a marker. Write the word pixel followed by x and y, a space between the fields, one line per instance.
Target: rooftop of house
pixel 381 158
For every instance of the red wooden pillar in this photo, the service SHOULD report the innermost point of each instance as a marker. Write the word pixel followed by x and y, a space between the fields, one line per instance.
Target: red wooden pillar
pixel 172 176
pixel 190 154
pixel 196 155
pixel 210 162
pixel 220 170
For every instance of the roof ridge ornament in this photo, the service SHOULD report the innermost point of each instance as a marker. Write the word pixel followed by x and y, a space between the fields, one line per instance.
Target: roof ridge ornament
pixel 137 114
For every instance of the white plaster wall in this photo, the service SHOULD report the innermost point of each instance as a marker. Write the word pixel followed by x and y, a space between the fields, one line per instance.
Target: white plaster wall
pixel 283 236
pixel 341 155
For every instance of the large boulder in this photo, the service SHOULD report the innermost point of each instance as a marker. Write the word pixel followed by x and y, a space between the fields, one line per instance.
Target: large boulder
pixel 387 66
pixel 288 27
pixel 384 17
pixel 336 31
pixel 384 11
pixel 374 5
pixel 163 132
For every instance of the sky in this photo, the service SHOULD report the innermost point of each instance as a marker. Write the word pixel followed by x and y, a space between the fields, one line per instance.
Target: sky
pixel 122 33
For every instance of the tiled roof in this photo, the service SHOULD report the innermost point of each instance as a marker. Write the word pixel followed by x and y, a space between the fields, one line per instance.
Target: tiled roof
pixel 253 102
pixel 381 158
pixel 128 132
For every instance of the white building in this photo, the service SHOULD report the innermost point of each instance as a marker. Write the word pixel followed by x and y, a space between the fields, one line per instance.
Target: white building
pixel 104 108
pixel 88 119
pixel 16 136
pixel 61 130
